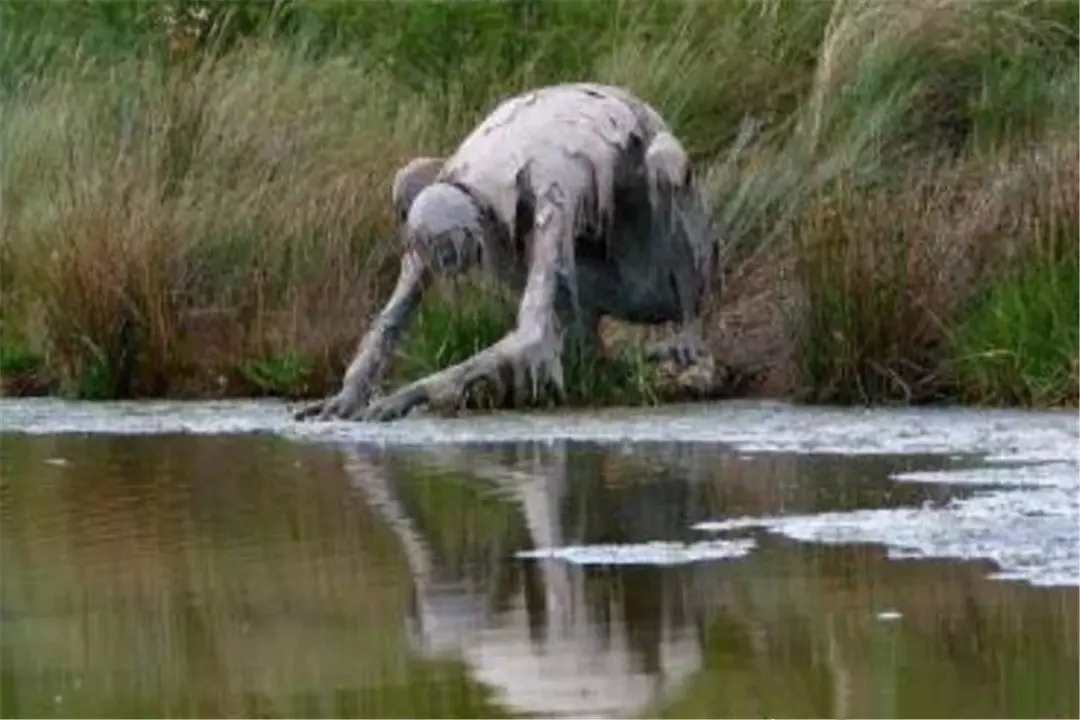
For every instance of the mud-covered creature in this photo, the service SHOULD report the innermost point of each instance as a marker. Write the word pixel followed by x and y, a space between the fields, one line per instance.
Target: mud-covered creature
pixel 581 198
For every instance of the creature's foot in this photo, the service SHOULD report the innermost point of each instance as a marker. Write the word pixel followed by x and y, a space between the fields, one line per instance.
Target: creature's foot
pixel 701 380
pixel 532 360
pixel 684 349
pixel 346 405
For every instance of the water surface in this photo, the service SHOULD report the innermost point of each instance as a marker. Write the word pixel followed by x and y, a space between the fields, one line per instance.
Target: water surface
pixel 730 560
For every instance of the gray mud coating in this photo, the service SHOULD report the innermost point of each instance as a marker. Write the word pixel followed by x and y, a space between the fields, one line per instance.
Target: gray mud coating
pixel 1022 511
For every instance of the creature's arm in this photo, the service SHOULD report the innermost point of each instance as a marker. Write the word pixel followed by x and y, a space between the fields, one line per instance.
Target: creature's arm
pixel 375 349
pixel 530 355
pixel 683 221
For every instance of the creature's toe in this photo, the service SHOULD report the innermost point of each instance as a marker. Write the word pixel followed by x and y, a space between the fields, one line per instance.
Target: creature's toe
pixel 683 350
pixel 702 379
pixel 328 409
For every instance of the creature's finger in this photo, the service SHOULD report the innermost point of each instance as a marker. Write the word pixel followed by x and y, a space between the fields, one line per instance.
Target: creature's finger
pixel 384 411
pixel 340 408
pixel 398 405
pixel 557 389
pixel 309 411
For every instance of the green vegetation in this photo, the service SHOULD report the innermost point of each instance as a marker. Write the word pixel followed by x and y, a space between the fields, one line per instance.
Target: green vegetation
pixel 196 195
pixel 21 370
pixel 464 318
pixel 1019 343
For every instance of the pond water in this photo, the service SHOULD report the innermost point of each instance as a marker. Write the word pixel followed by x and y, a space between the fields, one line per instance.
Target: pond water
pixel 734 559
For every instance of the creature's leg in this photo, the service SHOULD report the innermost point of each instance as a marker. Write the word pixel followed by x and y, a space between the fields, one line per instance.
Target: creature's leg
pixel 531 355
pixel 684 245
pixel 697 259
pixel 371 357
pixel 582 334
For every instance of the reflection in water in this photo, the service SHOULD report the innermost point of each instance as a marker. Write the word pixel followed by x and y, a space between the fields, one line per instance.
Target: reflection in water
pixel 247 576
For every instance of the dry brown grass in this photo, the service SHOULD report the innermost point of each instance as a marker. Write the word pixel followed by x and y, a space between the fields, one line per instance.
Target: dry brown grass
pixel 237 212
pixel 884 278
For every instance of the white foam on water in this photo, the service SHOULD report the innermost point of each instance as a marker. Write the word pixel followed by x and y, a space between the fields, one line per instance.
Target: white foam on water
pixel 1034 475
pixel 748 427
pixel 656 553
pixel 1029 527
pixel 741 523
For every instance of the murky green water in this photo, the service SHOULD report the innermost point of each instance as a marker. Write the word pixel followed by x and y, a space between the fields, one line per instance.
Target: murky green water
pixel 173 575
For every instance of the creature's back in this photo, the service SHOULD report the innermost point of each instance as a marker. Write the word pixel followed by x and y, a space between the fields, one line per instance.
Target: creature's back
pixel 553 130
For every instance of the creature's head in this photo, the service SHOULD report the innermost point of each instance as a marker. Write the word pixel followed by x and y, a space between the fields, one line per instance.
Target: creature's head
pixel 446 226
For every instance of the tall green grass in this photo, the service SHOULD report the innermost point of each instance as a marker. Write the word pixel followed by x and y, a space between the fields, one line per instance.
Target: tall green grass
pixel 196 203
pixel 1019 342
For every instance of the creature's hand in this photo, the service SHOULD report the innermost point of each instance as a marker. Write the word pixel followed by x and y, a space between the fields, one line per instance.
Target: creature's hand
pixel 398 405
pixel 344 406
pixel 533 359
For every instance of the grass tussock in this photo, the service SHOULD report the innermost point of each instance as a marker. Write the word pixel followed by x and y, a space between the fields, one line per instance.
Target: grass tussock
pixel 195 199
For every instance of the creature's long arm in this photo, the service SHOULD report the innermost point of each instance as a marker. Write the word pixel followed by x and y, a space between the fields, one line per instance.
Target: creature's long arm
pixel 531 354
pixel 376 348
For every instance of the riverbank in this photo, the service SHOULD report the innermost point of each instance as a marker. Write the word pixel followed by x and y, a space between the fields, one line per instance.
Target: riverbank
pixel 197 206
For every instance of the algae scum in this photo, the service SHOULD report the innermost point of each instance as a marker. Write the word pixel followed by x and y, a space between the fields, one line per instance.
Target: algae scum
pixel 736 559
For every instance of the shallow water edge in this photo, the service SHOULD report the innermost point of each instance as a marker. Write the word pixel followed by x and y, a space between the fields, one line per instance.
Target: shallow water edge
pixel 751 426
pixel 1023 470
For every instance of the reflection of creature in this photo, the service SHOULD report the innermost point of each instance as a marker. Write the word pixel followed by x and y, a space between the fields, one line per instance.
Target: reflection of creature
pixel 593 643
pixel 582 200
